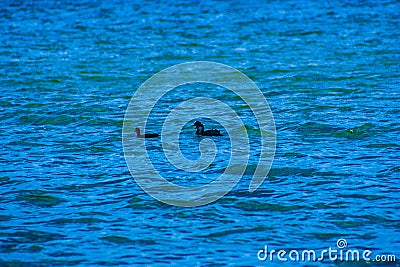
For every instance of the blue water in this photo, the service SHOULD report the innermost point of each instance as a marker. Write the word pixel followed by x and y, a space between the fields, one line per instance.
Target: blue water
pixel 329 70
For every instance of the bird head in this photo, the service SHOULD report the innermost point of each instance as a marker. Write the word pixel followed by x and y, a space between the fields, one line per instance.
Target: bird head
pixel 197 123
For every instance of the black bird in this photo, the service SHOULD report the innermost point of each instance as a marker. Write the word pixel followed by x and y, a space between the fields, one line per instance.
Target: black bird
pixel 200 130
pixel 137 130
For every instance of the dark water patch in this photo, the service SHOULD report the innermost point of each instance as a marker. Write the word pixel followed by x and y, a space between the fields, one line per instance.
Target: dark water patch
pixel 101 78
pixel 40 199
pixel 82 220
pixel 259 206
pixel 382 145
pixel 324 182
pixel 340 91
pixel 183 215
pixel 117 239
pixel 75 150
pixel 228 199
pixel 32 236
pixel 368 157
pixel 327 236
pixel 54 81
pixel 349 224
pixel 35 248
pixel 279 71
pixel 121 240
pixel 332 174
pixel 7 104
pixel 287 171
pixel 259 193
pixel 93 213
pixel 317 129
pixel 79 187
pixel 86 109
pixel 52 262
pixel 97 149
pixel 294 155
pixel 112 263
pixel 379 219
pixel 211 215
pixel 98 202
pixel 294 33
pixel 238 231
pixel 359 132
pixel 25 143
pixel 47 120
pixel 8 247
pixel 34 105
pixel 34 85
pixel 361 196
pixel 339 216
pixel 328 206
pixel 252 130
pixel 5 218
pixel 394 169
pixel 315 108
pixel 367 237
pixel 65 254
pixel 104 122
pixel 141 205
pixel 5 180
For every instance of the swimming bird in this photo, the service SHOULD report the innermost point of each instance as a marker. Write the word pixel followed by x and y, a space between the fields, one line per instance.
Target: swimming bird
pixel 138 135
pixel 200 130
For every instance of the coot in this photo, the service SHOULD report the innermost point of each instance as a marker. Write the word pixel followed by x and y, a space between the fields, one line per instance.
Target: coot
pixel 137 130
pixel 200 130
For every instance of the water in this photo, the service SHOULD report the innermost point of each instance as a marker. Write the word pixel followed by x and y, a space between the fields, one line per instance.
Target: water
pixel 330 72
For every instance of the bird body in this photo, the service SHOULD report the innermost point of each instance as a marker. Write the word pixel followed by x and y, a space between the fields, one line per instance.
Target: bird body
pixel 138 135
pixel 200 130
